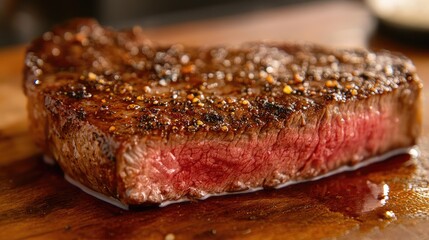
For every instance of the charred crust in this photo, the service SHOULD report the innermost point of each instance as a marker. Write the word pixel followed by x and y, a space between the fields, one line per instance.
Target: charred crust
pixel 276 109
pixel 125 84
pixel 81 114
pixel 213 117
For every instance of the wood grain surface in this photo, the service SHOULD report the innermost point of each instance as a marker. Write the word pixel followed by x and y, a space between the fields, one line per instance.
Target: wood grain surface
pixel 389 200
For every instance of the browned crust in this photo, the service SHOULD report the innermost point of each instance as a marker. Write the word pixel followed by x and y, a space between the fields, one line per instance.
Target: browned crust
pixel 77 120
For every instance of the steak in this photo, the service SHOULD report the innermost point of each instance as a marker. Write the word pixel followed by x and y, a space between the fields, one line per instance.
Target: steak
pixel 147 124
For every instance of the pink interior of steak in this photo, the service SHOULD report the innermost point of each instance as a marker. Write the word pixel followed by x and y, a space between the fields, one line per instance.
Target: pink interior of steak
pixel 201 166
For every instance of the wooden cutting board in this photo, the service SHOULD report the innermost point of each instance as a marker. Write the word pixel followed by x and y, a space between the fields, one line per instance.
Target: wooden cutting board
pixel 389 200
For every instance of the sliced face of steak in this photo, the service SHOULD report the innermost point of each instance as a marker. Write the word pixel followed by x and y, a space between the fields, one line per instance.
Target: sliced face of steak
pixel 148 124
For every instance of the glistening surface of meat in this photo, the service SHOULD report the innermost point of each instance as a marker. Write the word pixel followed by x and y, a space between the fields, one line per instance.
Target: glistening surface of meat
pixel 147 124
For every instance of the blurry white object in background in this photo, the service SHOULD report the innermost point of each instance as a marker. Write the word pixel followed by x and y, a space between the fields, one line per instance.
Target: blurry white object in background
pixel 412 14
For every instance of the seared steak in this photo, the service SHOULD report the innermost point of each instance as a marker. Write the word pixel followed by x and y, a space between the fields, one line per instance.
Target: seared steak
pixel 145 123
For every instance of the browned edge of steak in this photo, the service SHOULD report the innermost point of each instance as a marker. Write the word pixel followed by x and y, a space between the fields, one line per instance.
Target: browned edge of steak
pixel 127 166
pixel 153 170
pixel 96 160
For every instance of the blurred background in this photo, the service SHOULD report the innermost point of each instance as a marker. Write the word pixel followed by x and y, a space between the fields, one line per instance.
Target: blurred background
pixel 22 20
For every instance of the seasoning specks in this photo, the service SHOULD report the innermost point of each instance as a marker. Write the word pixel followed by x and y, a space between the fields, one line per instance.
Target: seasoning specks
pixel 133 106
pixel 287 89
pixel 92 76
pixel 331 83
pixel 197 89
pixel 245 102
